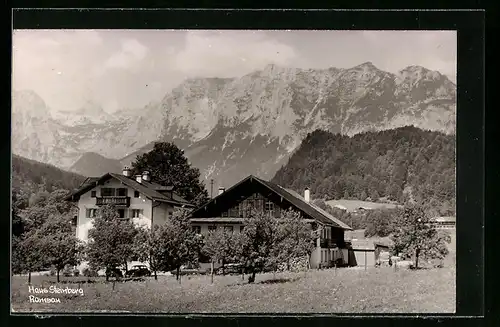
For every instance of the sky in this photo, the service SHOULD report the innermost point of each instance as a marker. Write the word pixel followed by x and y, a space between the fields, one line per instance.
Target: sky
pixel 126 69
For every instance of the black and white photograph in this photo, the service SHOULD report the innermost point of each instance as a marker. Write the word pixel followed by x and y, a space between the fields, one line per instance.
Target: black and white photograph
pixel 233 171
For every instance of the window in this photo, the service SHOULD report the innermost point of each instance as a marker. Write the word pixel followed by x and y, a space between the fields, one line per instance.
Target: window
pixel 136 213
pixel 241 210
pixel 136 194
pixel 268 206
pixel 91 213
pixel 197 229
pixel 121 192
pixel 228 229
pixel 212 228
pixel 242 228
pixel 250 205
pixel 121 213
pixel 233 212
pixel 322 255
pixel 277 211
pixel 93 194
pixel 225 214
pixel 170 213
pixel 105 191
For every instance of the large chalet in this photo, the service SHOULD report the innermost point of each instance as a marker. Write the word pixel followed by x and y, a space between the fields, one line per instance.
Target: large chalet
pixel 231 207
pixel 136 197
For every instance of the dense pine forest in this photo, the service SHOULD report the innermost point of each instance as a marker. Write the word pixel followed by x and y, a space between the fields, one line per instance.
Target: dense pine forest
pixel 398 164
pixel 29 177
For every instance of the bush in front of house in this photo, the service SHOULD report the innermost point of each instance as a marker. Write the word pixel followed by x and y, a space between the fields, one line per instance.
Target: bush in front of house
pixel 88 272
pixel 295 265
pixel 67 271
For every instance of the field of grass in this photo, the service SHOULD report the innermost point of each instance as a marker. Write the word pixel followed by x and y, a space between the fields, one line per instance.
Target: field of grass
pixel 347 290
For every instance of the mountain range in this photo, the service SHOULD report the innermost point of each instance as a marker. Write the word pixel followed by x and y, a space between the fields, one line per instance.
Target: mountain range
pixel 232 127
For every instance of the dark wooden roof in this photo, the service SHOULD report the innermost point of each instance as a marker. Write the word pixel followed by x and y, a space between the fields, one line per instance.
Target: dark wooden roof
pixel 293 198
pixel 151 190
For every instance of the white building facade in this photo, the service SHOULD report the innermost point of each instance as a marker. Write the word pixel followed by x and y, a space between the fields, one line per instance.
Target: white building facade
pixel 136 198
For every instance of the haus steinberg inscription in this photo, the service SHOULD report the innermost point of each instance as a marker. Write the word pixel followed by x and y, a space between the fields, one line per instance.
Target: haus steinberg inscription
pixel 34 291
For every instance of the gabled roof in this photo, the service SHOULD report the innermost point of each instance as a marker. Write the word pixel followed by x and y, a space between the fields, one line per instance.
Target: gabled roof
pixel 150 190
pixel 309 208
pixel 156 186
pixel 295 199
pixel 88 180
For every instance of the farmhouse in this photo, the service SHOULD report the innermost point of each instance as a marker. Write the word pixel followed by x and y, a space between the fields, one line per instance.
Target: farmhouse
pixel 231 207
pixel 136 197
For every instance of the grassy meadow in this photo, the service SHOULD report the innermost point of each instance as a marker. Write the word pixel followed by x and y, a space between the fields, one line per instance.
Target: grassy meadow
pixel 347 290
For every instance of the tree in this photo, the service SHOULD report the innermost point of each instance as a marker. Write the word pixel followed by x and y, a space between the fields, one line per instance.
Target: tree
pixel 180 245
pixel 148 246
pixel 220 245
pixel 44 205
pixel 57 243
pixel 267 241
pixel 168 166
pixel 416 236
pixel 293 239
pixel 111 240
pixel 379 222
pixel 30 221
pixel 27 255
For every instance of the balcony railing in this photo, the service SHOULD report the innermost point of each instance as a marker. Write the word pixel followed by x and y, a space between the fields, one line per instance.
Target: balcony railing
pixel 116 200
pixel 327 243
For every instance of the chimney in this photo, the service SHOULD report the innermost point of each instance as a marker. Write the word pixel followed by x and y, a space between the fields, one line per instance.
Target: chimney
pixel 221 190
pixel 146 176
pixel 126 172
pixel 307 195
pixel 138 179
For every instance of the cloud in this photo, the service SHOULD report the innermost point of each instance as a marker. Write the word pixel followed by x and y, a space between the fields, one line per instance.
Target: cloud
pixel 435 50
pixel 229 53
pixel 54 63
pixel 123 68
pixel 131 52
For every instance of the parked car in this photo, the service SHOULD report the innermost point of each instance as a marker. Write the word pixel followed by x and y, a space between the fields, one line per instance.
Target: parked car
pixel 230 268
pixel 114 272
pixel 138 271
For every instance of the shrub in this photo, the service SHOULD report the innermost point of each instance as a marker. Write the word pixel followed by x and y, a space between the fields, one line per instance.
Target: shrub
pixel 295 265
pixel 87 272
pixel 76 272
pixel 67 271
pixel 52 271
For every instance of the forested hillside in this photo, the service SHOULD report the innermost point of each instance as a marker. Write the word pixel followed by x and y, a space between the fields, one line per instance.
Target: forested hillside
pixel 398 164
pixel 30 176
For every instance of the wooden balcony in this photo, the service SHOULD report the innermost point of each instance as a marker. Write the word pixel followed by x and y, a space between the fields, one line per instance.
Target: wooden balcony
pixel 327 243
pixel 119 201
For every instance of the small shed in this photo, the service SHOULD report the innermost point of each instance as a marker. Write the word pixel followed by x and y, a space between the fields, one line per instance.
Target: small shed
pixel 367 253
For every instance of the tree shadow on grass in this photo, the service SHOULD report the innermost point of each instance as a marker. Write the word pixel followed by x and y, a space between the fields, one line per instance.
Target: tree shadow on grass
pixel 96 281
pixel 279 280
pixel 267 281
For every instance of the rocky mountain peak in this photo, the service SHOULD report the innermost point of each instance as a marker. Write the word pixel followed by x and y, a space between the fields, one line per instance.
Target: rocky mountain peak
pixel 30 103
pixel 91 108
pixel 230 127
